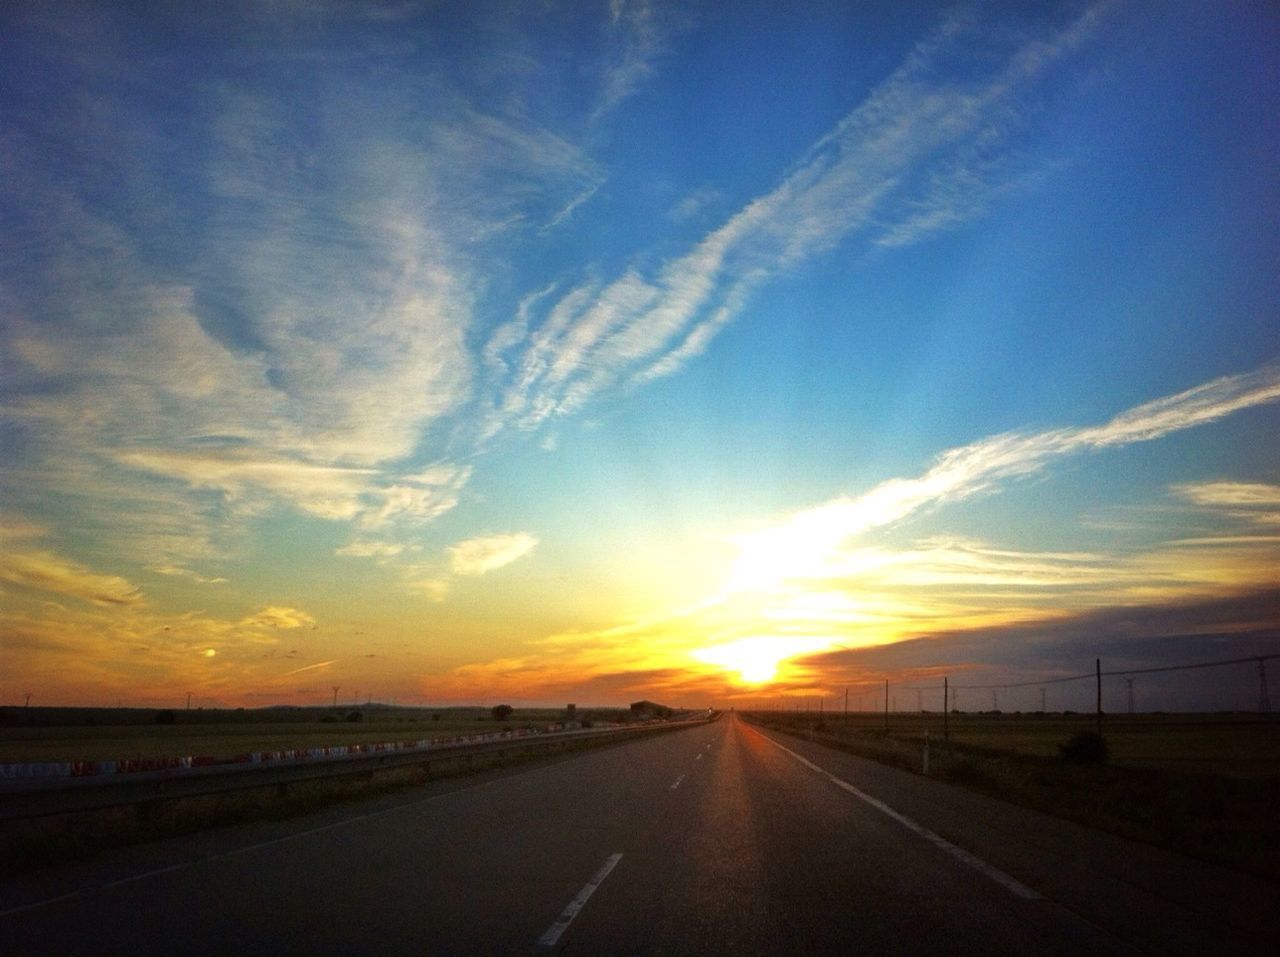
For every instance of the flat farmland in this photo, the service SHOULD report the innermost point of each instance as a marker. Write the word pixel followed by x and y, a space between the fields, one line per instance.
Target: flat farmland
pixel 1233 745
pixel 1204 784
pixel 63 736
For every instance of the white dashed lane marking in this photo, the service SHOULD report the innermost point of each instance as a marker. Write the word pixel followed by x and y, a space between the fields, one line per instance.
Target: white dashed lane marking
pixel 567 915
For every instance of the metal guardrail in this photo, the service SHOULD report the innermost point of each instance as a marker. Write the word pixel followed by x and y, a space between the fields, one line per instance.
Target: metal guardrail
pixel 25 776
pixel 61 795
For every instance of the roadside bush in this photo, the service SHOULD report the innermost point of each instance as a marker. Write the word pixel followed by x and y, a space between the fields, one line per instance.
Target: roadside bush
pixel 501 712
pixel 1087 747
pixel 167 716
pixel 355 716
pixel 969 772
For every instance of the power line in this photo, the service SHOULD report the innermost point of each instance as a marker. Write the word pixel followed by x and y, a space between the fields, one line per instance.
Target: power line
pixel 1106 674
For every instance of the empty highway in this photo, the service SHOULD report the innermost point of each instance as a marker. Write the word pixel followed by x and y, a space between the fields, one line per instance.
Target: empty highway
pixel 719 839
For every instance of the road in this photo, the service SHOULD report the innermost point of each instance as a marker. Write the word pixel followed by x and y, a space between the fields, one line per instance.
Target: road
pixel 719 839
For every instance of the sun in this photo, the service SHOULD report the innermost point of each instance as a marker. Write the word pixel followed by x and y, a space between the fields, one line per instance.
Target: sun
pixel 755 660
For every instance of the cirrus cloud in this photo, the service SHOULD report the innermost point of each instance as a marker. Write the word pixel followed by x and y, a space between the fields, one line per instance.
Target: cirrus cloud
pixel 478 556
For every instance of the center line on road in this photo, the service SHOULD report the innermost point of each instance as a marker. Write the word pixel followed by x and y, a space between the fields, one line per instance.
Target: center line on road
pixel 677 784
pixel 699 757
pixel 571 911
pixel 1000 877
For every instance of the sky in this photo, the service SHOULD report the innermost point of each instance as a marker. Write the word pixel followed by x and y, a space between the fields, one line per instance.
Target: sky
pixel 708 353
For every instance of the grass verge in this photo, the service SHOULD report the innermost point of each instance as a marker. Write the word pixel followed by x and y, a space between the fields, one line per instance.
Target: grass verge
pixel 1213 817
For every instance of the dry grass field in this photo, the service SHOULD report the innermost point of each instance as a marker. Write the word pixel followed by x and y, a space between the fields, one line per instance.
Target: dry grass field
pixel 117 734
pixel 1234 745
pixel 1204 784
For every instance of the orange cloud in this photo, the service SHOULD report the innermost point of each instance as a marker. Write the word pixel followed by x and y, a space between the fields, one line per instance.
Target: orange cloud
pixel 49 572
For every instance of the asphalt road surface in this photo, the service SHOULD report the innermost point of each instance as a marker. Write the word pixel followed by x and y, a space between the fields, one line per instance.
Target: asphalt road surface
pixel 714 840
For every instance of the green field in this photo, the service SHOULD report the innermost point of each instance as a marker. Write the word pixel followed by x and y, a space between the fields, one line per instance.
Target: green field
pixel 66 734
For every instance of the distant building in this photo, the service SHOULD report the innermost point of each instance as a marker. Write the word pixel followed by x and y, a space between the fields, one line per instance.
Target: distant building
pixel 650 709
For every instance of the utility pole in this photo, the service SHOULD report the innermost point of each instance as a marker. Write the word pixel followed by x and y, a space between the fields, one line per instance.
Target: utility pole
pixel 1129 685
pixel 920 701
pixel 1042 707
pixel 1264 700
pixel 995 700
pixel 1097 667
pixel 335 696
pixel 846 703
pixel 946 693
pixel 28 702
pixel 188 700
pixel 886 704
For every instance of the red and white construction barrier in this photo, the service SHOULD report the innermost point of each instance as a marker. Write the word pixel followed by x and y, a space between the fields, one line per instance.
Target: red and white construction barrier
pixel 50 770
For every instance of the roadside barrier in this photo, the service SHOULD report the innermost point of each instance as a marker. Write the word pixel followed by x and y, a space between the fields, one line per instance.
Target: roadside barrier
pixel 49 814
pixel 52 770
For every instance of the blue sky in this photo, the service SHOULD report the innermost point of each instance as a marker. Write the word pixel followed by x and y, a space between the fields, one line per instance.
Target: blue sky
pixel 471 350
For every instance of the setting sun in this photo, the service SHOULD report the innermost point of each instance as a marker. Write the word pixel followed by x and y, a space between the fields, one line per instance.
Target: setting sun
pixel 606 378
pixel 659 411
pixel 757 660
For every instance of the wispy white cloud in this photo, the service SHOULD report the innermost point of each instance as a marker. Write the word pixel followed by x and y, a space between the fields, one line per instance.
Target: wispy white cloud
pixel 178 571
pixel 417 498
pixel 805 542
pixel 817 579
pixel 638 31
pixel 368 549
pixel 695 203
pixel 296 349
pixel 327 491
pixel 1256 502
pixel 572 205
pixel 923 152
pixel 1231 494
pixel 478 556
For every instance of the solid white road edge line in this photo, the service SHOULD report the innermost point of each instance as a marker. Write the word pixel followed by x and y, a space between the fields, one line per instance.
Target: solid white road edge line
pixel 677 784
pixel 1000 877
pixel 571 910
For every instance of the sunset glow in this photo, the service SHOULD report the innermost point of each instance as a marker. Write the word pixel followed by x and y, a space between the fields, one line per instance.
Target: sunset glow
pixel 756 660
pixel 454 353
